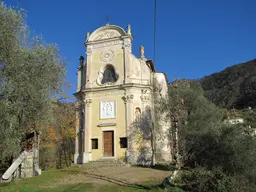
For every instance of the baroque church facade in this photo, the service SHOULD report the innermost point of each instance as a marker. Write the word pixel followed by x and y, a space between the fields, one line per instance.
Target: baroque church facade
pixel 115 108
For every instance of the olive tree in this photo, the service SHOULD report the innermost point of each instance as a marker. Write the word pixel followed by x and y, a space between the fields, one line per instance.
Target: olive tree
pixel 31 75
pixel 206 141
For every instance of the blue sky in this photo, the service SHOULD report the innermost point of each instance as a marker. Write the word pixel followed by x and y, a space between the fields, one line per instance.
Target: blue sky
pixel 193 38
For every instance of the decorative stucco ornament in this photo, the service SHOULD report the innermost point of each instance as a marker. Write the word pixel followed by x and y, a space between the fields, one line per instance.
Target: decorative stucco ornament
pixel 142 52
pixel 107 109
pixel 107 55
pixel 107 34
pixel 129 30
pixel 87 36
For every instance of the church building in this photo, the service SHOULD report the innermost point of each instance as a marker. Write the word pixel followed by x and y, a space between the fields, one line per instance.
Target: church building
pixel 116 115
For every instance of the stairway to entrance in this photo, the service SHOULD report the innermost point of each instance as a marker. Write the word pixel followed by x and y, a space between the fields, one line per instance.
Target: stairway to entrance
pixel 106 163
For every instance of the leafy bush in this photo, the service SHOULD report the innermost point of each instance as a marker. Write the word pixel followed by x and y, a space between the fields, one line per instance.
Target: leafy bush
pixel 165 166
pixel 204 181
pixel 173 189
pixel 47 157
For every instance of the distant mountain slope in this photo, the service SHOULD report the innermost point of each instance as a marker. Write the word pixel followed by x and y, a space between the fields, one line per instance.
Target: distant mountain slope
pixel 234 86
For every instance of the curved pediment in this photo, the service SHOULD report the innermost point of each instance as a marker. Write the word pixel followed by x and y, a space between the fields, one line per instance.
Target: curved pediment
pixel 106 32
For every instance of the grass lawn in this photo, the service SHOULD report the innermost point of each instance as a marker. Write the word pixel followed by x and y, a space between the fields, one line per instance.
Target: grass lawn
pixel 68 180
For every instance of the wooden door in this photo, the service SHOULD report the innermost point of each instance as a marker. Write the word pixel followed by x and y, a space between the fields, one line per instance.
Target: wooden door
pixel 108 137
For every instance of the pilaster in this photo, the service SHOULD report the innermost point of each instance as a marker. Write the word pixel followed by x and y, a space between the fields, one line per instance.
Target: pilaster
pixel 130 153
pixel 127 67
pixel 87 130
pixel 79 78
pixel 76 155
pixel 89 78
pixel 145 99
pixel 79 106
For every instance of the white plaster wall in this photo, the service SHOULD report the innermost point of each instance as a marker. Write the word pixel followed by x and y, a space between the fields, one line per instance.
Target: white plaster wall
pixel 163 120
pixel 161 80
pixel 140 72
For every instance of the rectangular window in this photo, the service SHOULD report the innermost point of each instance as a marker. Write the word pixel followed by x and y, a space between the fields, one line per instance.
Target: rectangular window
pixel 123 142
pixel 94 143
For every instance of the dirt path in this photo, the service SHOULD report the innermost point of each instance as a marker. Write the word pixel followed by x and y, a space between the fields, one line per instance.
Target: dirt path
pixel 123 176
pixel 126 175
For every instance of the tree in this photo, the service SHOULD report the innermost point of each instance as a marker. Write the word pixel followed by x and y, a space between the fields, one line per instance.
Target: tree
pixel 31 75
pixel 58 141
pixel 199 118
pixel 65 129
pixel 205 141
pixel 249 116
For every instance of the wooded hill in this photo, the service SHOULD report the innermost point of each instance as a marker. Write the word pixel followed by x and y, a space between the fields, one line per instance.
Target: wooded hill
pixel 234 86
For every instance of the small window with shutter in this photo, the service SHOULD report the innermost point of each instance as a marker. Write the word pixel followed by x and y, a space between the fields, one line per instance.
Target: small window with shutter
pixel 94 143
pixel 123 142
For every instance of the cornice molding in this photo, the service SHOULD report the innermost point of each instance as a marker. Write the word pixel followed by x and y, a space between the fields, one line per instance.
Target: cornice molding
pixel 107 88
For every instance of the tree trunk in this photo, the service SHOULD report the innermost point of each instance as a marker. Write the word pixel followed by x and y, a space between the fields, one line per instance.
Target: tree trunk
pixel 153 157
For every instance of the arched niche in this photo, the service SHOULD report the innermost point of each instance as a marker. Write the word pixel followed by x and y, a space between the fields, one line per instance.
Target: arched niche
pixel 107 75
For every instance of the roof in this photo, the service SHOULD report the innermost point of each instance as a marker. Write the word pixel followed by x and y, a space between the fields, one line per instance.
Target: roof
pixel 150 63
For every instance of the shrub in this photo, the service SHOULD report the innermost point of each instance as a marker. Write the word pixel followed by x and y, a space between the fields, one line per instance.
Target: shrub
pixel 47 157
pixel 202 180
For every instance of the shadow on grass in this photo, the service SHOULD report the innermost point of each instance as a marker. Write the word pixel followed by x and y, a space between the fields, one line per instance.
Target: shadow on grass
pixel 3 184
pixel 123 183
pixel 147 186
pixel 162 167
pixel 99 188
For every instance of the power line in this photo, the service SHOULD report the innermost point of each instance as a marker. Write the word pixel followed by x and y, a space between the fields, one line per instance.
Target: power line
pixel 107 19
pixel 154 56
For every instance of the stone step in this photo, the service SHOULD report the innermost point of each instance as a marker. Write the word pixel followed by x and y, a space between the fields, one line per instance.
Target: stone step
pixel 107 163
